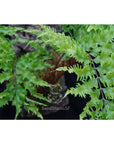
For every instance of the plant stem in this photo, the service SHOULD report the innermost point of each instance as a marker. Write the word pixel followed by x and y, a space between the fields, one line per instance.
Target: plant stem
pixel 57 66
pixel 59 60
pixel 98 79
pixel 14 76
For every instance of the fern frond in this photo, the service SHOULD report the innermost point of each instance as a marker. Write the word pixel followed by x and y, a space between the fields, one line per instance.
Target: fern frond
pixel 92 45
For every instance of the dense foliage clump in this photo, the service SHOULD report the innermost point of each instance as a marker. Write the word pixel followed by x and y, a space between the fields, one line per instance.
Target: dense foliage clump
pixel 20 73
pixel 91 45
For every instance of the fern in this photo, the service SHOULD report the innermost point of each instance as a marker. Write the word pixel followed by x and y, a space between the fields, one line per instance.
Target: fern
pixel 93 47
pixel 20 73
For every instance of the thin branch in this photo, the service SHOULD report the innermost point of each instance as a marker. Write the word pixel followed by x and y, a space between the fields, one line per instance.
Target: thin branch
pixel 98 79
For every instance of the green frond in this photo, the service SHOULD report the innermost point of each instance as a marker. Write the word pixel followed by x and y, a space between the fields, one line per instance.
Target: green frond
pixel 92 45
pixel 35 102
pixel 86 71
pixel 33 109
pixel 96 40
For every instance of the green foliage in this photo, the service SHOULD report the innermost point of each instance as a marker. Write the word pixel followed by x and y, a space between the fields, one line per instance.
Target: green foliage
pixel 20 73
pixel 93 47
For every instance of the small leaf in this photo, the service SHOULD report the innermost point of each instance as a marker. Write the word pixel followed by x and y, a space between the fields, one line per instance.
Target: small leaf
pixel 3 94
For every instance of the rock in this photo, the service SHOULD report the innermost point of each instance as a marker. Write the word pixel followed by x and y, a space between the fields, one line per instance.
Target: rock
pixel 22 48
